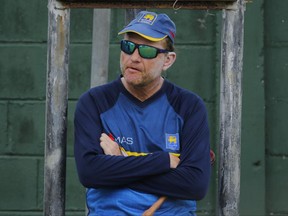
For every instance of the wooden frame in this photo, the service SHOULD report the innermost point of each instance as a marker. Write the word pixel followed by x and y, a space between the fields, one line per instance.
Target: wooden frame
pixel 188 4
pixel 230 95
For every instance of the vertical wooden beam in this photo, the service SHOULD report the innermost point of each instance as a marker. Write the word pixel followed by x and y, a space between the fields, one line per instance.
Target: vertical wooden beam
pixel 230 110
pixel 100 46
pixel 56 109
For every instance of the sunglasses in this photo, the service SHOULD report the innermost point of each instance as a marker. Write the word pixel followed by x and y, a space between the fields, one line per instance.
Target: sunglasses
pixel 145 51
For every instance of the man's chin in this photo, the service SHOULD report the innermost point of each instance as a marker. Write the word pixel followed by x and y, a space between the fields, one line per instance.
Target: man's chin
pixel 135 83
pixel 133 79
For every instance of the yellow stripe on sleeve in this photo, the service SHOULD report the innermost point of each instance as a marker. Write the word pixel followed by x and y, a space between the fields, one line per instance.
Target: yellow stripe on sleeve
pixel 129 153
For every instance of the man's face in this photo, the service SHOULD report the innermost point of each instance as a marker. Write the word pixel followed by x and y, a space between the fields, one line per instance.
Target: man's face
pixel 138 71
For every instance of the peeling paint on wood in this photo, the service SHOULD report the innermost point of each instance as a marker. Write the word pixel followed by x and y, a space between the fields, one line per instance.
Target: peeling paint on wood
pixel 56 109
pixel 230 111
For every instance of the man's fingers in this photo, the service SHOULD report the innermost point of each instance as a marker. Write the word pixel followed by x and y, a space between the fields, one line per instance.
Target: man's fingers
pixel 108 145
pixel 174 161
pixel 105 138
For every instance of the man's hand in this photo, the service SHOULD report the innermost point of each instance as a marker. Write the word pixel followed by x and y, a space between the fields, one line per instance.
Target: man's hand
pixel 174 161
pixel 109 146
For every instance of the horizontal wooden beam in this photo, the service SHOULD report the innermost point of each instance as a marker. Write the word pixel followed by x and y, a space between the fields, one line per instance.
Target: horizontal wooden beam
pixel 187 4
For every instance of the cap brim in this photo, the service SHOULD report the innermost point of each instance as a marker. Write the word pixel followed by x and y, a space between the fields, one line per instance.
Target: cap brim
pixel 149 34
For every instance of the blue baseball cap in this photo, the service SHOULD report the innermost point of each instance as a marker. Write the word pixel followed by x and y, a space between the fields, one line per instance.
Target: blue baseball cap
pixel 152 26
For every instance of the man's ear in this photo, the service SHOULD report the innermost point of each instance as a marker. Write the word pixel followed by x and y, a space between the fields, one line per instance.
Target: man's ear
pixel 169 60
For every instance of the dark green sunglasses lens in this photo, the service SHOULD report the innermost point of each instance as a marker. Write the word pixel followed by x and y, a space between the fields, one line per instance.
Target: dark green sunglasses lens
pixel 131 47
pixel 127 47
pixel 147 51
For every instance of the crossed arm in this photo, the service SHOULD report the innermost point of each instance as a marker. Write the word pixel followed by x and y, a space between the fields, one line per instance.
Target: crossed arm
pixel 159 172
pixel 112 148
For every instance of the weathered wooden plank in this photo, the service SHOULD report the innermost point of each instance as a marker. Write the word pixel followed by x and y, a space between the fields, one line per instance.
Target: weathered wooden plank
pixel 188 4
pixel 56 109
pixel 230 111
pixel 135 1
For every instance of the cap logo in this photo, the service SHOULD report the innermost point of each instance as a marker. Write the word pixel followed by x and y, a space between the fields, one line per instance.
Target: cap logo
pixel 148 18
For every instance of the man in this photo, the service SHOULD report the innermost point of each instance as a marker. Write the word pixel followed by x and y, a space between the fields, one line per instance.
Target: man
pixel 140 137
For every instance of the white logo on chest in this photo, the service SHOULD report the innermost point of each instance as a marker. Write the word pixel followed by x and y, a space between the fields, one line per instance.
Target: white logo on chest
pixel 125 140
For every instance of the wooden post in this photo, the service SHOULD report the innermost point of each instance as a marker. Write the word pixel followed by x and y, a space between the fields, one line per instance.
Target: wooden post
pixel 100 46
pixel 56 109
pixel 230 110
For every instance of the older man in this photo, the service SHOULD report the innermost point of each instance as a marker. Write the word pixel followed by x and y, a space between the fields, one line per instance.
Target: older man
pixel 140 137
